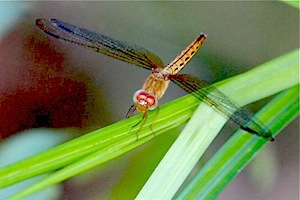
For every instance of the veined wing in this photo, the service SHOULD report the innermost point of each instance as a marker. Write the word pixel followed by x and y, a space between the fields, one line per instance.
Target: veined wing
pixel 100 43
pixel 185 56
pixel 223 104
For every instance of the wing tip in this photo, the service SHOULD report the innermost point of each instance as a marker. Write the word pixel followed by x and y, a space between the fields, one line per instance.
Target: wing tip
pixel 40 23
pixel 267 135
pixel 47 26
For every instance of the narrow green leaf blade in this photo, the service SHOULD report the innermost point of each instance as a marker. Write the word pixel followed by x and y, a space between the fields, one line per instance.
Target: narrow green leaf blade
pixel 240 149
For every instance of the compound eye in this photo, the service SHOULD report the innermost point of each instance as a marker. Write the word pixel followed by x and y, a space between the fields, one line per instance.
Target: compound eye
pixel 140 95
pixel 151 102
pixel 144 98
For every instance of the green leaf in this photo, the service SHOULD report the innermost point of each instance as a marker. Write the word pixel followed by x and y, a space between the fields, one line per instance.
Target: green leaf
pixel 237 152
pixel 98 147
pixel 295 3
pixel 206 123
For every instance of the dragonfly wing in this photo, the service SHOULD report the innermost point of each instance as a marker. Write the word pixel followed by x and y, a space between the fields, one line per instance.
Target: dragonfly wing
pixel 223 104
pixel 100 43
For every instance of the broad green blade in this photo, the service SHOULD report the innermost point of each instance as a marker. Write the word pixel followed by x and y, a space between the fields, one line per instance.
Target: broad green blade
pixel 206 123
pixel 236 153
pixel 88 151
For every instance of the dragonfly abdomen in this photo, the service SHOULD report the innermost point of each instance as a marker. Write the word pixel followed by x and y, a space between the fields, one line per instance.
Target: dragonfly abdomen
pixel 185 56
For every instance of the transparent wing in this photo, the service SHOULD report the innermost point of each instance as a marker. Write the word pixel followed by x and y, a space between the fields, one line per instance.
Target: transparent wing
pixel 223 104
pixel 100 43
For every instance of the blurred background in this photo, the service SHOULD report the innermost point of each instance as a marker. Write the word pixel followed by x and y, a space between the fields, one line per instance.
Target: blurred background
pixel 49 83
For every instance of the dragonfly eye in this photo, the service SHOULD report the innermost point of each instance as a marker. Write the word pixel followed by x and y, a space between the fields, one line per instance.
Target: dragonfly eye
pixel 144 98
pixel 140 95
pixel 151 102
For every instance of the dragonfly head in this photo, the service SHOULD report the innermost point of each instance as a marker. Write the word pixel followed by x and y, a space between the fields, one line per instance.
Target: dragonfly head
pixel 144 101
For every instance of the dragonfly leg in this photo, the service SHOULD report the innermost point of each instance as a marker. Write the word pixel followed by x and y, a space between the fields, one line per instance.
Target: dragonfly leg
pixel 131 111
pixel 154 119
pixel 137 137
pixel 142 122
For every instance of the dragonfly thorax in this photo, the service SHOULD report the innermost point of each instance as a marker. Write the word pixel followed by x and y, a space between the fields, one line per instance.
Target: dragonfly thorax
pixel 161 73
pixel 156 84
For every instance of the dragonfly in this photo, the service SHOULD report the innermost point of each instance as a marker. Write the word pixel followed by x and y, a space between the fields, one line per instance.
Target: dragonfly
pixel 158 81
